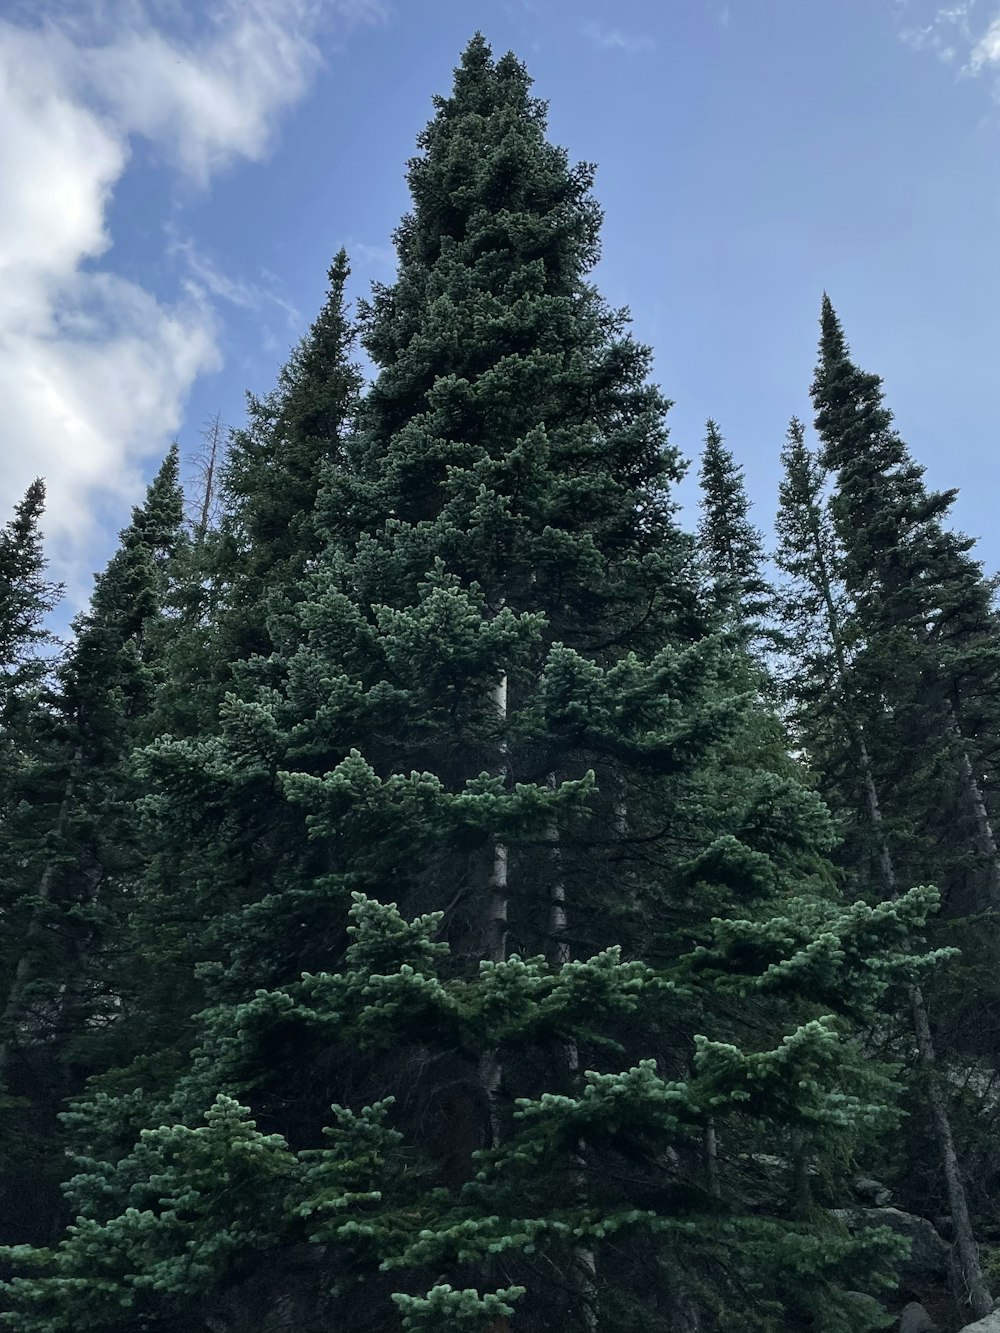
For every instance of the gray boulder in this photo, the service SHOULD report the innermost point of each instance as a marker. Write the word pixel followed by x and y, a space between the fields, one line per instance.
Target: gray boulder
pixel 915 1319
pixel 872 1191
pixel 989 1324
pixel 929 1253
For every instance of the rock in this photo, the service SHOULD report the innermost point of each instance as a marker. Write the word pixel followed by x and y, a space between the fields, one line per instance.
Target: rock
pixel 929 1253
pixel 872 1191
pixel 990 1324
pixel 915 1319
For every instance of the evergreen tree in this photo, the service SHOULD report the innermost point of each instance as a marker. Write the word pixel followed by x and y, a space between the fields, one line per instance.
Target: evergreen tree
pixel 732 546
pixel 26 643
pixel 825 716
pixel 926 625
pixel 491 737
pixel 925 632
pixel 273 471
pixel 831 725
pixel 70 841
pixel 26 598
pixel 253 520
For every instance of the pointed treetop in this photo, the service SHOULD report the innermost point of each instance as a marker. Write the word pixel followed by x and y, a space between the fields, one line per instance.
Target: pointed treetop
pixel 732 545
pixel 834 353
pixel 832 342
pixel 320 376
pixel 484 158
pixel 274 471
pixel 482 84
pixel 891 527
pixel 801 524
pixel 26 596
pixel 157 523
pixel 276 465
pixel 799 461
pixel 127 592
pixel 851 416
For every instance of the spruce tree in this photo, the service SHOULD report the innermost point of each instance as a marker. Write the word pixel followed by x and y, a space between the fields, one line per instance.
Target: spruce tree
pixel 26 598
pixel 273 471
pixel 253 519
pixel 70 838
pixel 926 637
pixel 27 645
pixel 833 729
pixel 732 546
pixel 495 858
pixel 926 623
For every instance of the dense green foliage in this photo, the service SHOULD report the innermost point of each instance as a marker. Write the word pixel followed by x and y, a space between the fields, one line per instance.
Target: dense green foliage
pixel 445 894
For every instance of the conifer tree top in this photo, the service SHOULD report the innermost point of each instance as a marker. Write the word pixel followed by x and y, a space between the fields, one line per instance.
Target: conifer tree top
pixel 852 418
pixel 510 402
pixel 732 546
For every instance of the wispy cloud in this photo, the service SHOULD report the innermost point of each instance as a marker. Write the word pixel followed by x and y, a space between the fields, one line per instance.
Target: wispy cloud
pixel 205 279
pixel 615 39
pixel 96 368
pixel 952 33
pixel 944 30
pixel 986 52
pixel 361 254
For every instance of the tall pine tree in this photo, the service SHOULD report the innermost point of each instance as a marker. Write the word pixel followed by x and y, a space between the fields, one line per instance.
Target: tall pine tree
pixel 494 862
pixel 925 619
pixel 833 729
pixel 732 546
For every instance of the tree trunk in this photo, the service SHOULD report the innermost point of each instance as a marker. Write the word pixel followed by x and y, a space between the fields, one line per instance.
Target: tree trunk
pixel 802 1197
pixel 976 1293
pixel 712 1160
pixel 875 815
pixel 208 465
pixel 973 796
pixel 495 942
pixel 584 1271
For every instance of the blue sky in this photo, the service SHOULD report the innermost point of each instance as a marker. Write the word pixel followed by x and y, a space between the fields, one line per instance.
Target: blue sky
pixel 176 177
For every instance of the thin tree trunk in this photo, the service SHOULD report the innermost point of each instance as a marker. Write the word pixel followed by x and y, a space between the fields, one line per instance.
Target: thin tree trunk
pixel 971 791
pixel 208 463
pixel 25 970
pixel 973 796
pixel 558 920
pixel 495 942
pixel 802 1199
pixel 976 1293
pixel 584 1271
pixel 712 1160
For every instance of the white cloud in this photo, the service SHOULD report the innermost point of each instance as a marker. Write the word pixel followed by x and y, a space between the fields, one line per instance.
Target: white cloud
pixel 614 39
pixel 950 33
pixel 208 101
pixel 95 369
pixel 986 52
